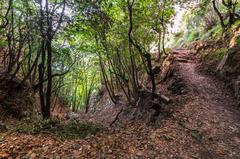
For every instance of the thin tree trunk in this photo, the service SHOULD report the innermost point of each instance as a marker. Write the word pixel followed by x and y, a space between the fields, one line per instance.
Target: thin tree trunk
pixel 41 80
pixel 219 14
pixel 49 77
pixel 159 45
pixel 147 56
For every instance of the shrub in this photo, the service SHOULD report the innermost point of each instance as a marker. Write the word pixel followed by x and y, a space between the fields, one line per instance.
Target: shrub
pixel 178 35
pixel 238 40
pixel 71 129
pixel 217 31
pixel 77 129
pixel 236 24
pixel 213 33
pixel 219 53
pixel 193 36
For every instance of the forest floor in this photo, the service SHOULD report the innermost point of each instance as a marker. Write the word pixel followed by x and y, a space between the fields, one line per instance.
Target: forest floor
pixel 206 126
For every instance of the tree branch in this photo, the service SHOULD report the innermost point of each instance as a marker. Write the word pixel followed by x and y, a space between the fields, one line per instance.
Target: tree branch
pixel 5 16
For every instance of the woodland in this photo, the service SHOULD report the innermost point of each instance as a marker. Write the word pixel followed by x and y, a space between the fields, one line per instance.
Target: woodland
pixel 120 79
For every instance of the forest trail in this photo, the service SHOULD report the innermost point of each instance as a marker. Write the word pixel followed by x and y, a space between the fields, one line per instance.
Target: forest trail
pixel 209 93
pixel 213 105
pixel 206 126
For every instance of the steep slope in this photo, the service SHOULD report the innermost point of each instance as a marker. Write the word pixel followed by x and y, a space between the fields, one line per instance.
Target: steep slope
pixel 16 99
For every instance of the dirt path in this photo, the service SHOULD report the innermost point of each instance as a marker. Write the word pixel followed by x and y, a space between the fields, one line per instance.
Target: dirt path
pixel 206 126
pixel 214 106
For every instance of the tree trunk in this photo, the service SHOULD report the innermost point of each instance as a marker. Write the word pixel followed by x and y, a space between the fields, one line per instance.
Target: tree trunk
pixel 159 45
pixel 151 74
pixel 49 78
pixel 219 14
pixel 163 39
pixel 41 69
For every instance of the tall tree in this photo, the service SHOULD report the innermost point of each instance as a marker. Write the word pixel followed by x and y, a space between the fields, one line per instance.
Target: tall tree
pixel 49 25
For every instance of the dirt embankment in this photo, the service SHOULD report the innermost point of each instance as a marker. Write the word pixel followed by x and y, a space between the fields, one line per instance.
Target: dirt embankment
pixel 16 99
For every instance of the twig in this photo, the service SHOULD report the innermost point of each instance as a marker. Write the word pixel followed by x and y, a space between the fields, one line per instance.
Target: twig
pixel 117 116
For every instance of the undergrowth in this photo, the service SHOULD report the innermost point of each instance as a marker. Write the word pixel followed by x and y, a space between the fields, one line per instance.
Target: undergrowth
pixel 183 38
pixel 192 36
pixel 236 24
pixel 219 53
pixel 238 40
pixel 70 130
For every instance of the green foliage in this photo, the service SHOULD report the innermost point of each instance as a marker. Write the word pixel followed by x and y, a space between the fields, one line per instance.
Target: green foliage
pixel 217 31
pixel 177 38
pixel 219 53
pixel 193 36
pixel 212 33
pixel 76 129
pixel 71 129
pixel 92 46
pixel 35 126
pixel 200 23
pixel 216 56
pixel 178 35
pixel 3 43
pixel 168 50
pixel 238 40
pixel 236 24
pixel 183 38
